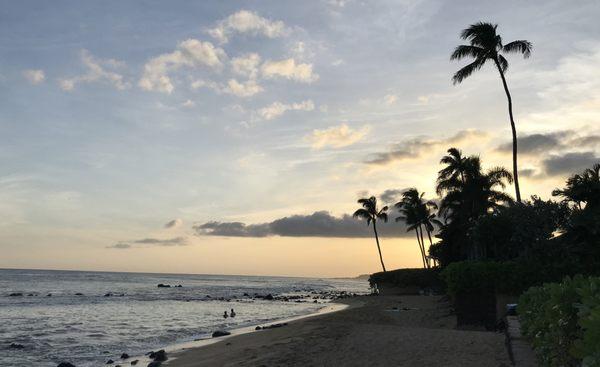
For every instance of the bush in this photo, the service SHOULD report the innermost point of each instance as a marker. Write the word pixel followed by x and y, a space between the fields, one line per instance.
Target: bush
pixel 422 278
pixel 485 276
pixel 562 320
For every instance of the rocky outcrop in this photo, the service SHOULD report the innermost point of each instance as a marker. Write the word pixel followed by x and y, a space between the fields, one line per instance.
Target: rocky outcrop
pixel 220 333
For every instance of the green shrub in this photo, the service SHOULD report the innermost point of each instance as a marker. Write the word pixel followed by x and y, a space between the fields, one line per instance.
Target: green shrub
pixel 562 320
pixel 485 276
pixel 422 278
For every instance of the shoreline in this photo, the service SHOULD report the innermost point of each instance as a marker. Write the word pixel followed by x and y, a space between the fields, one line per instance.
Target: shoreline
pixel 376 331
pixel 173 350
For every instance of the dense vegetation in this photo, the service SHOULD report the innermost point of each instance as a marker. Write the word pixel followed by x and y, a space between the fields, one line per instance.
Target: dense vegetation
pixel 563 321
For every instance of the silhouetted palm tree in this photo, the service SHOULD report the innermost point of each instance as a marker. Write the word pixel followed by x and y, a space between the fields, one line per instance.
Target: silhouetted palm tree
pixel 371 213
pixel 583 188
pixel 486 45
pixel 417 214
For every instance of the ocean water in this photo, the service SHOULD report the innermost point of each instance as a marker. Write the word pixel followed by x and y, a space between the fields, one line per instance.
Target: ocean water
pixel 80 323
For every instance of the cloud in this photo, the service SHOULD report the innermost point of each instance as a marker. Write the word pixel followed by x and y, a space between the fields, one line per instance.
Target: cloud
pixel 536 143
pixel 175 223
pixel 289 69
pixel 189 53
pixel 246 65
pixel 188 104
pixel 247 89
pixel 318 224
pixel 390 99
pixel 34 77
pixel 277 109
pixel 248 22
pixel 97 71
pixel 414 148
pixel 147 242
pixel 336 136
pixel 569 163
pixel 391 196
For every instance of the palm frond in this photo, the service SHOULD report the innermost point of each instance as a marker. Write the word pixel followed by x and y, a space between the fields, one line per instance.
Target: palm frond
pixel 503 63
pixel 463 51
pixel 466 71
pixel 520 46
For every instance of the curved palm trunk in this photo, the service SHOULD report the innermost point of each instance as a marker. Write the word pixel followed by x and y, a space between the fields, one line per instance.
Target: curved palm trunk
pixel 420 247
pixel 378 247
pixel 514 132
pixel 423 248
pixel 430 241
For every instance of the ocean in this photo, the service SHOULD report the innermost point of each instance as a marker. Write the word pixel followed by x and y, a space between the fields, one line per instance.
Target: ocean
pixel 88 318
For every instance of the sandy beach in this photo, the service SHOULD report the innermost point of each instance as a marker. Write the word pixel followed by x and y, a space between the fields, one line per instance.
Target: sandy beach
pixel 372 331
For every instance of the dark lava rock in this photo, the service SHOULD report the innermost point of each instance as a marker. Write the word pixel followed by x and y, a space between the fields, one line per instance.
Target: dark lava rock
pixel 159 356
pixel 79 294
pixel 16 346
pixel 219 333
pixel 124 356
pixel 178 286
pixel 134 362
pixel 49 295
pixel 65 364
pixel 108 295
pixel 269 297
pixel 258 328
pixel 16 294
pixel 154 364
pixel 110 361
pixel 30 295
pixel 164 285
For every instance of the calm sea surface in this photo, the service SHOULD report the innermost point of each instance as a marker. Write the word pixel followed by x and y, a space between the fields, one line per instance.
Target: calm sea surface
pixel 88 318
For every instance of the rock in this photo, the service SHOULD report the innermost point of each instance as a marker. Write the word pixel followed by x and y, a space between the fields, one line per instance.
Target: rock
pixel 108 295
pixel 110 361
pixel 16 294
pixel 154 364
pixel 178 286
pixel 79 294
pixel 246 295
pixel 65 364
pixel 16 346
pixel 49 295
pixel 30 295
pixel 124 356
pixel 258 328
pixel 164 285
pixel 159 356
pixel 134 362
pixel 269 297
pixel 219 333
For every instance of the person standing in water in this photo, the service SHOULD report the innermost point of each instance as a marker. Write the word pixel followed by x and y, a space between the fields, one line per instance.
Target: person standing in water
pixel 232 313
pixel 225 315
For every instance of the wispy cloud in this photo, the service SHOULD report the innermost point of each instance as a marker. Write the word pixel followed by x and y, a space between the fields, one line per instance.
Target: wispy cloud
pixel 247 22
pixel 416 147
pixel 189 53
pixel 277 109
pixel 34 76
pixel 98 70
pixel 289 69
pixel 336 136
pixel 149 242
pixel 175 223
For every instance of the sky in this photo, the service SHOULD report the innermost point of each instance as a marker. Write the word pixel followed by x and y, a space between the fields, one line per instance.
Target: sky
pixel 232 137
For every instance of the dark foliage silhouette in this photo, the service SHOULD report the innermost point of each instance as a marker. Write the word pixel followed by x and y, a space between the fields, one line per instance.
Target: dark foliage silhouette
pixel 371 214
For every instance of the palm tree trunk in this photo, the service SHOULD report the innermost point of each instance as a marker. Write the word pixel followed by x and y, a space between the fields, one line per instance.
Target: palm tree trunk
pixel 378 247
pixel 420 247
pixel 514 132
pixel 423 245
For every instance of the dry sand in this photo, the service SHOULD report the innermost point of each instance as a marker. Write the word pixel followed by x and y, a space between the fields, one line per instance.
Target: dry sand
pixel 368 333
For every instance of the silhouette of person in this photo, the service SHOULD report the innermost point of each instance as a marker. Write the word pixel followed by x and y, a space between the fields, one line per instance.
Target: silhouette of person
pixel 225 315
pixel 232 313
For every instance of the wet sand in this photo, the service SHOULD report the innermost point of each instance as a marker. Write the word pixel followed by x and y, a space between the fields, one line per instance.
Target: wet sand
pixel 420 332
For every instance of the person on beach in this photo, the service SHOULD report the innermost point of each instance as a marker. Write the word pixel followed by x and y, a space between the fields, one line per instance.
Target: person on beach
pixel 232 313
pixel 225 315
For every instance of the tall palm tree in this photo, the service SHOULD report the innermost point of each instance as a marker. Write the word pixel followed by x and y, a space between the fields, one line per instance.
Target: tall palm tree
pixel 486 45
pixel 371 213
pixel 416 212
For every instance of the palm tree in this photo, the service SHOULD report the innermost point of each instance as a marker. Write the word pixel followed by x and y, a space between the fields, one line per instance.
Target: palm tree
pixel 417 214
pixel 467 193
pixel 371 213
pixel 486 45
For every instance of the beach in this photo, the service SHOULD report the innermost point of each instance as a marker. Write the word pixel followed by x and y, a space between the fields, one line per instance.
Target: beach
pixel 371 331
